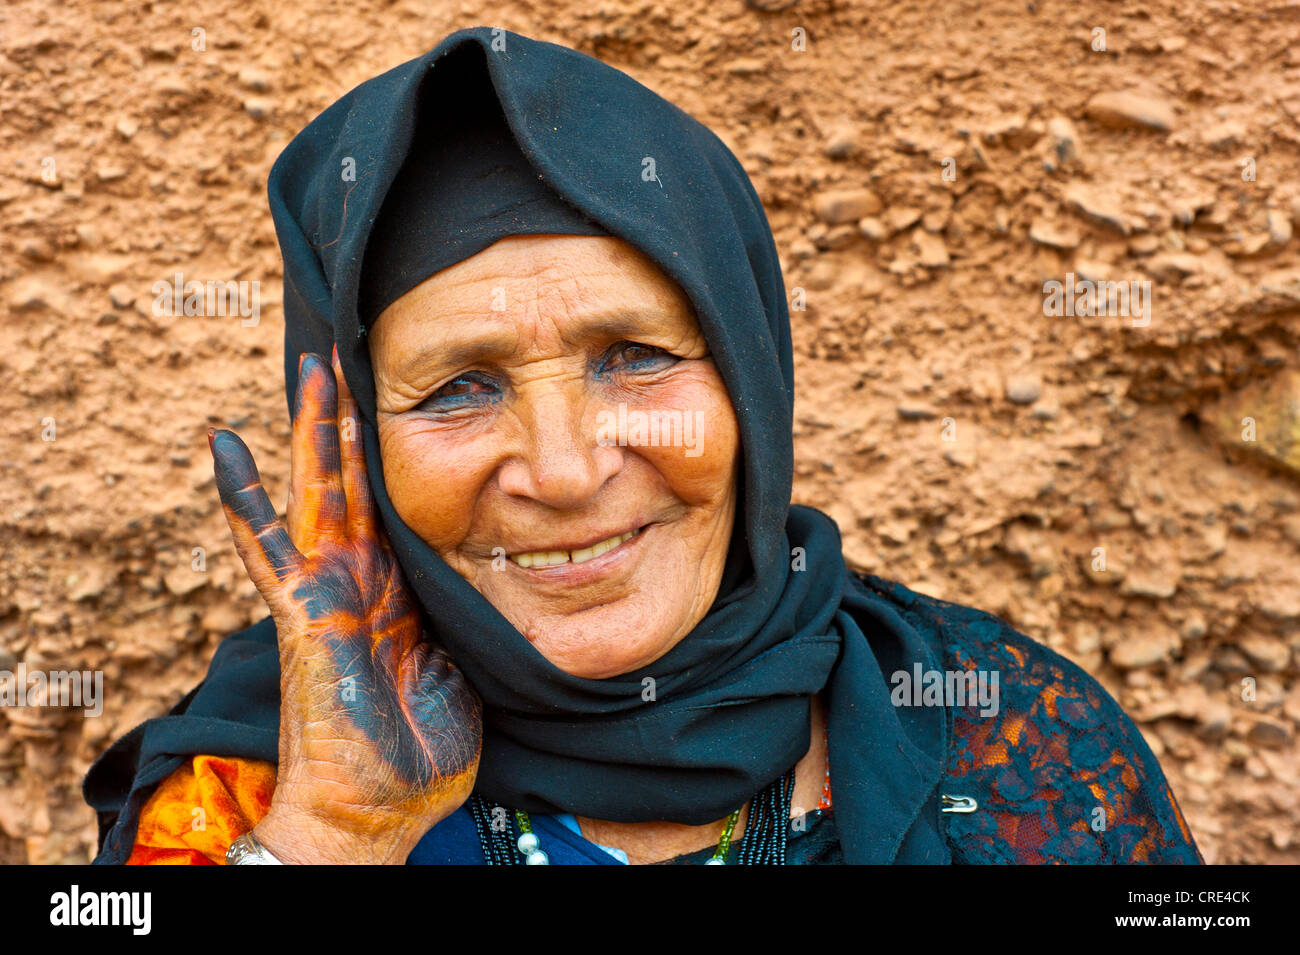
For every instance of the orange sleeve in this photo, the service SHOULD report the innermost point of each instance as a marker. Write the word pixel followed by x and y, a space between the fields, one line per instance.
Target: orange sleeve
pixel 200 809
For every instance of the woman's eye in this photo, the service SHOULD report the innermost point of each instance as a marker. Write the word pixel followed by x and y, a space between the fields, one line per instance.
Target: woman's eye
pixel 633 355
pixel 467 389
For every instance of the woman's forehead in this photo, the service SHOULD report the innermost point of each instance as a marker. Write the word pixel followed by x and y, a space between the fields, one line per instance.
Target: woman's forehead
pixel 554 258
pixel 602 284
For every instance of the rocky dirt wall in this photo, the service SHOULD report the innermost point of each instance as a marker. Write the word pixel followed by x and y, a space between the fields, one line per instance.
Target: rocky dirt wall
pixel 1121 482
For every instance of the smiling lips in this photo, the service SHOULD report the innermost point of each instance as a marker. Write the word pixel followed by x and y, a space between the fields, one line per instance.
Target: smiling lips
pixel 552 558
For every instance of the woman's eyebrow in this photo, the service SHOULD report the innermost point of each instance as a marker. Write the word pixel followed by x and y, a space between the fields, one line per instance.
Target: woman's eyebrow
pixel 496 344
pixel 644 320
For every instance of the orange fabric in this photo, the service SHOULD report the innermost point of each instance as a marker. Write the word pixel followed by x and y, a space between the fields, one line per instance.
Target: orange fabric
pixel 199 810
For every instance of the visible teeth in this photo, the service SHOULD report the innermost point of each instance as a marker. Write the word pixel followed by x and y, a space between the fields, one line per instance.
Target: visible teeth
pixel 550 558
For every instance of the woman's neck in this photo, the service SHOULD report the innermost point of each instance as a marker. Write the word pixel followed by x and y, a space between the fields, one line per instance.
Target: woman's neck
pixel 647 842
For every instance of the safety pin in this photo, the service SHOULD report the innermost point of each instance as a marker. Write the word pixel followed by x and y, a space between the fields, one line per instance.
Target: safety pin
pixel 958 803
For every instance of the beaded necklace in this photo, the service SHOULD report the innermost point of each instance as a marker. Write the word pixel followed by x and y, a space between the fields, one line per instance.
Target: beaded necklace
pixel 764 843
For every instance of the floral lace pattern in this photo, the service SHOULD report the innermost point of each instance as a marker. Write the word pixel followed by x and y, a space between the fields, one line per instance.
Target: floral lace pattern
pixel 1060 773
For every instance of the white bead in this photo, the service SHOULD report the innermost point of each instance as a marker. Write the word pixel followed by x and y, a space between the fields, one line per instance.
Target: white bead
pixel 537 857
pixel 528 843
pixel 715 861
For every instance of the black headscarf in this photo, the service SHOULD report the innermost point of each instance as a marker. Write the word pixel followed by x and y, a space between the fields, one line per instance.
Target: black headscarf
pixel 457 194
pixel 731 711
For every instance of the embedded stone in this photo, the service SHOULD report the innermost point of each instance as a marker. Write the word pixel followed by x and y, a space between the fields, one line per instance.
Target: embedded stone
pixel 1023 388
pixel 841 206
pixel 1140 650
pixel 1123 109
pixel 1052 234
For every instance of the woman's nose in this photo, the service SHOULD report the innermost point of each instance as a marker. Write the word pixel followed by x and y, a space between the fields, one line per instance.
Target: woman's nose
pixel 560 462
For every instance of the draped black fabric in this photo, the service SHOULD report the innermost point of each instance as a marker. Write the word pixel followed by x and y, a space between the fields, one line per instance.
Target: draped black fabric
pixel 731 710
pixel 456 195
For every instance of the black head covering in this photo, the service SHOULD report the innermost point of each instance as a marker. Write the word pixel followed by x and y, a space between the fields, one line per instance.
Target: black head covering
pixel 731 711
pixel 457 194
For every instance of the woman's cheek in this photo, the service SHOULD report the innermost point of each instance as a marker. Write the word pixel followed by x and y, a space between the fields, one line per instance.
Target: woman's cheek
pixel 432 480
pixel 700 463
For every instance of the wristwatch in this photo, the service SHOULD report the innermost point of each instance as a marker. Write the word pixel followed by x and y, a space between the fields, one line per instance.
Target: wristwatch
pixel 246 850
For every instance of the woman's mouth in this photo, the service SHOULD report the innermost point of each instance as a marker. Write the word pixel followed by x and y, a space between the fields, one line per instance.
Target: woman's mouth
pixel 539 559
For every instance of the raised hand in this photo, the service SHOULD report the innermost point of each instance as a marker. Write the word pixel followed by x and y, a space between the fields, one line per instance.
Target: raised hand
pixel 379 732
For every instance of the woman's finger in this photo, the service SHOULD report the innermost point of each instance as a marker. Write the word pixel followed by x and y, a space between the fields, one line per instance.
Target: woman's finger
pixel 316 487
pixel 260 539
pixel 356 484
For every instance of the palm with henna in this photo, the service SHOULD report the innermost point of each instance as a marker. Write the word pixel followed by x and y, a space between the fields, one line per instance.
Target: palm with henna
pixel 379 732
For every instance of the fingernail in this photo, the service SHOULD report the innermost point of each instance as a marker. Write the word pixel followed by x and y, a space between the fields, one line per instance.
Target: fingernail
pixel 334 355
pixel 301 358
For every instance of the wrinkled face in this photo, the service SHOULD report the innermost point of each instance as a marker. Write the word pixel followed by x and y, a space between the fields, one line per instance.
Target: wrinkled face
pixel 552 425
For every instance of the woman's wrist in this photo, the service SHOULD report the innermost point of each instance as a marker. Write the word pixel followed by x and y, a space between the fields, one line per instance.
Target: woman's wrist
pixel 301 838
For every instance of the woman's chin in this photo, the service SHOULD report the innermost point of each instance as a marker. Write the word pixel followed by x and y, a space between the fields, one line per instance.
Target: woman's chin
pixel 602 642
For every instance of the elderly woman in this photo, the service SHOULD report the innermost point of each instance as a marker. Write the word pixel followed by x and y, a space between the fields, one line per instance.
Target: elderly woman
pixel 542 596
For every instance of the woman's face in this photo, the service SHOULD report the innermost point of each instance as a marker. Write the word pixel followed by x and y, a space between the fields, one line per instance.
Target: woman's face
pixel 539 402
